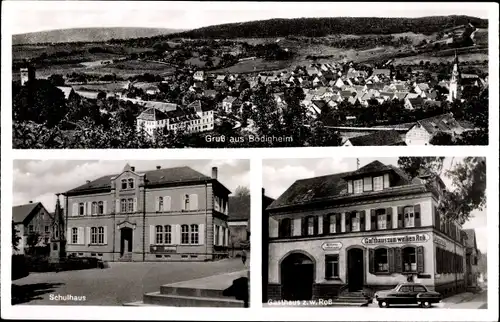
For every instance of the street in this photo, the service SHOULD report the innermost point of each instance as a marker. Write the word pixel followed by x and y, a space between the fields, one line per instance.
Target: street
pixel 118 284
pixel 458 301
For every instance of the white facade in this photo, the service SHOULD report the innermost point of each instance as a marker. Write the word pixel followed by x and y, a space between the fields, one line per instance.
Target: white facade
pixel 418 135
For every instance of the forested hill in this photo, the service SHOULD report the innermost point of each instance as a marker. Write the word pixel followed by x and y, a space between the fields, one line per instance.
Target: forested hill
pixel 87 35
pixel 317 27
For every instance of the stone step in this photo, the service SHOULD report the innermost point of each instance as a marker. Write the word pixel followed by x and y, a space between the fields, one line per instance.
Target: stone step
pixel 156 298
pixel 191 291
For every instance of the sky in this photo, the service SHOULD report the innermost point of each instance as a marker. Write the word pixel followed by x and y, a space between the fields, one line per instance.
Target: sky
pixel 31 16
pixel 40 180
pixel 279 174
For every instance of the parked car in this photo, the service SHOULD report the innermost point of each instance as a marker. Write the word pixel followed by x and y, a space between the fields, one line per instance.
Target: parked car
pixel 408 293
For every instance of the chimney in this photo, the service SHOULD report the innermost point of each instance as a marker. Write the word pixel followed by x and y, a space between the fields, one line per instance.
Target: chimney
pixel 158 167
pixel 263 191
pixel 88 181
pixel 132 168
pixel 31 201
pixel 214 173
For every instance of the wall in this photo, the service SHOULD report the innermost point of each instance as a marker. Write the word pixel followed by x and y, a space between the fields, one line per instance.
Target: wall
pixel 417 135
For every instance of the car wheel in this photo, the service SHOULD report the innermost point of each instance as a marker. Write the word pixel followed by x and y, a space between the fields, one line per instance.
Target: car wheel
pixel 426 304
pixel 383 304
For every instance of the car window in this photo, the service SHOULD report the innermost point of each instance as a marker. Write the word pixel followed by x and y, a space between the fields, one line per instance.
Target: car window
pixel 419 288
pixel 404 289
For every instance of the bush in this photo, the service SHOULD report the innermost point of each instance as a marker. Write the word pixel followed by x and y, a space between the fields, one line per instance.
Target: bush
pixel 19 267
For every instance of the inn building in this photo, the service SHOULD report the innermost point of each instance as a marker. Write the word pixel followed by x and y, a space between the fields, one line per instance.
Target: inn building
pixel 367 230
pixel 171 214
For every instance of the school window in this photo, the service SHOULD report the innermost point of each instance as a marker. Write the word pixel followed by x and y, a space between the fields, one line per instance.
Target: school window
pixel 100 235
pixel 355 222
pixel 381 261
pixel 124 184
pixel 93 235
pixel 81 209
pixel 184 234
pixel 123 205
pixel 331 266
pixel 168 234
pixel 100 208
pixel 160 203
pixel 381 219
pixel 285 228
pixel 358 186
pixel 310 226
pixel 409 259
pixel 378 183
pixel 159 235
pixel 74 235
pixel 131 183
pixel 130 202
pixel 332 224
pixel 94 208
pixel 186 202
pixel 409 217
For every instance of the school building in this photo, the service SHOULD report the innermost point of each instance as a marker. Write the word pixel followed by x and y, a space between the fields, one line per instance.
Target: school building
pixel 369 229
pixel 169 214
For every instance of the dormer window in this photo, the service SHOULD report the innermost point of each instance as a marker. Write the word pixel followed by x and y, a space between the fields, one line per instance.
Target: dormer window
pixel 378 183
pixel 124 183
pixel 358 186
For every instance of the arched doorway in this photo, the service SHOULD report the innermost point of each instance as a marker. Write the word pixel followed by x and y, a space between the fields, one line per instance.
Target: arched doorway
pixel 297 277
pixel 125 241
pixel 355 269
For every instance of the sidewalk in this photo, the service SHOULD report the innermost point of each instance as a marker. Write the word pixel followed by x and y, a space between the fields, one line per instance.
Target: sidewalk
pixel 459 298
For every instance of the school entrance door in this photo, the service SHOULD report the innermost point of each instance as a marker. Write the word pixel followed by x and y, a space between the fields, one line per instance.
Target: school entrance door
pixel 125 241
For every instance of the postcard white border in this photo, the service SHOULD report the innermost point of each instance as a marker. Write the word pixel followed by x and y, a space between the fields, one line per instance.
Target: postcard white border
pixel 256 312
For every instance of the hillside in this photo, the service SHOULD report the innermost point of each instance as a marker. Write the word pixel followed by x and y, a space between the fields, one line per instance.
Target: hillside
pixel 318 27
pixel 87 35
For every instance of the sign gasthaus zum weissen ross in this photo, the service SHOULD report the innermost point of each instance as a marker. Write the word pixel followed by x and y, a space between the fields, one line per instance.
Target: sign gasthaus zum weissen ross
pixel 399 239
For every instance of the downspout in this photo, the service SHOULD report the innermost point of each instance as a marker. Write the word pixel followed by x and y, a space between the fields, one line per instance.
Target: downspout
pixel 66 227
pixel 206 219
pixel 144 222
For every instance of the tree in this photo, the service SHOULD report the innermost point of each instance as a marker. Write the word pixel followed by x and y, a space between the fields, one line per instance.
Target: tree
pixel 15 237
pixel 56 80
pixel 242 191
pixel 39 101
pixel 468 190
pixel 413 166
pixel 442 138
pixel 32 241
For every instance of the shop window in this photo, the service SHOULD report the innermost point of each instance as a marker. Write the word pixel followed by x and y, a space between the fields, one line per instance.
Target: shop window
pixel 378 183
pixel 409 259
pixel 381 261
pixel 355 221
pixel 358 186
pixel 409 217
pixel 285 228
pixel 331 266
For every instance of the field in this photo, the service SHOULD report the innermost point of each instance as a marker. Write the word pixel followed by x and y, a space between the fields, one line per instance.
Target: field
pixel 195 61
pixel 414 60
pixel 108 87
pixel 253 66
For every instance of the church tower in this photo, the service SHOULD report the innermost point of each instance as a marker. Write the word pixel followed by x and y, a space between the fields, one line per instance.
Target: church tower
pixel 28 73
pixel 454 81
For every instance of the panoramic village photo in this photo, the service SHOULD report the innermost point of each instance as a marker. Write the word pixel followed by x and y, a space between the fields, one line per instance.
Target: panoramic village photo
pixel 139 233
pixel 213 78
pixel 375 232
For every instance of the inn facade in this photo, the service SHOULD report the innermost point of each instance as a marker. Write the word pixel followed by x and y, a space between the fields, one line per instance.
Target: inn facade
pixel 364 230
pixel 171 214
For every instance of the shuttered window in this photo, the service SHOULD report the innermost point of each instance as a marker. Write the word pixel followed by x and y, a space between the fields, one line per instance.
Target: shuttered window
pixel 381 260
pixel 74 235
pixel 285 227
pixel 409 259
